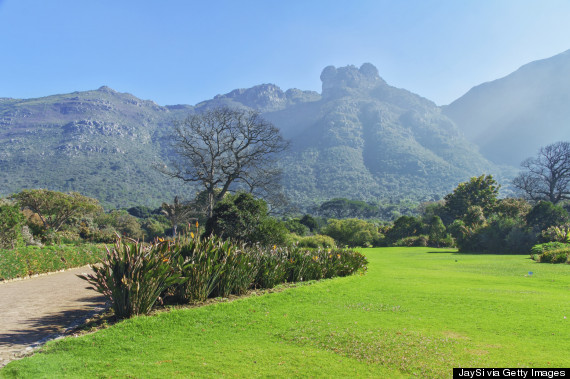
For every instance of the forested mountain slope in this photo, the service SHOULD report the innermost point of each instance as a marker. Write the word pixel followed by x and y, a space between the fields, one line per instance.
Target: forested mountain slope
pixel 360 138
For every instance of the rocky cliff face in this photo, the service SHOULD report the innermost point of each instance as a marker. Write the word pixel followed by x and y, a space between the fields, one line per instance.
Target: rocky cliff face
pixel 263 98
pixel 367 140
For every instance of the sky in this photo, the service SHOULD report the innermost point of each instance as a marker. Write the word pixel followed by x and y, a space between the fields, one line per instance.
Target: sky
pixel 186 51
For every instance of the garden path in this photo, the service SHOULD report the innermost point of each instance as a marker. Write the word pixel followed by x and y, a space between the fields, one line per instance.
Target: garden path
pixel 35 310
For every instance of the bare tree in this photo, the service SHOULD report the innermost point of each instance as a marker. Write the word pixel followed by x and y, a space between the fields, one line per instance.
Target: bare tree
pixel 225 148
pixel 547 177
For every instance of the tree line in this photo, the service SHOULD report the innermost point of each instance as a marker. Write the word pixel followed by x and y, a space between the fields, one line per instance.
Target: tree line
pixel 231 154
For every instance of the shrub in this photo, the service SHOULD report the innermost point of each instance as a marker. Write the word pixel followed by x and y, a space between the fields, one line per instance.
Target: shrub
pixel 549 246
pixel 241 217
pixel 352 232
pixel 559 233
pixel 404 226
pixel 201 262
pixel 11 222
pixel 122 222
pixel 191 269
pixel 499 234
pixel 545 214
pixel 314 242
pixel 555 256
pixel 421 240
pixel 295 226
pixel 30 260
pixel 133 276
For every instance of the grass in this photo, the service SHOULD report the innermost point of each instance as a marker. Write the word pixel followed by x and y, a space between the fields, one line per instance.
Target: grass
pixel 417 311
pixel 31 260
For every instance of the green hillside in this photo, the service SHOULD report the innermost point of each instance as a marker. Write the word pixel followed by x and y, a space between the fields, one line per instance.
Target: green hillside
pixel 360 138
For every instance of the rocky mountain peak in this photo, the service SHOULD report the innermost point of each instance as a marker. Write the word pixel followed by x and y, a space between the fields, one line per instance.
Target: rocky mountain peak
pixel 263 97
pixel 106 89
pixel 335 79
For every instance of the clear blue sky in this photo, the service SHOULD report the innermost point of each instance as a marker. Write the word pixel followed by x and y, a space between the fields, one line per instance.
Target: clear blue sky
pixel 183 52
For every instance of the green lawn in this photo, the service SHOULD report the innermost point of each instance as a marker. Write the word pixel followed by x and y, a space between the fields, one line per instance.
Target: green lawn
pixel 417 311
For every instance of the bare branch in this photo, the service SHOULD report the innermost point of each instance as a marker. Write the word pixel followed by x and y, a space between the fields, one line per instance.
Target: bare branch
pixel 547 177
pixel 224 148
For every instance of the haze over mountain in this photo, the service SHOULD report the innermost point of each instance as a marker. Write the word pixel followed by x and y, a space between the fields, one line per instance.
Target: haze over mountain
pixel 512 117
pixel 360 138
pixel 363 139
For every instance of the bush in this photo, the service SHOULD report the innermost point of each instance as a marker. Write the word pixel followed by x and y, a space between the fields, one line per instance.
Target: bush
pixel 313 242
pixel 31 260
pixel 352 232
pixel 190 269
pixel 11 222
pixel 122 222
pixel 204 262
pixel 549 246
pixel 404 226
pixel 499 235
pixel 241 217
pixel 421 240
pixel 559 233
pixel 295 226
pixel 545 214
pixel 133 276
pixel 555 256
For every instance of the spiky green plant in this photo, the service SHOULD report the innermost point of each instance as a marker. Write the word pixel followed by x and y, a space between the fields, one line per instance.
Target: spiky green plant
pixel 272 266
pixel 240 270
pixel 133 275
pixel 201 263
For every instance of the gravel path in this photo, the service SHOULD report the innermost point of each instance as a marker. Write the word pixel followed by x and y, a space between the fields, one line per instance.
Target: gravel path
pixel 35 310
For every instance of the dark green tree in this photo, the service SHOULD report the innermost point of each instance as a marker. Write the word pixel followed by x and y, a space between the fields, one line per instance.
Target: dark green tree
pixel 480 191
pixel 544 215
pixel 436 230
pixel 242 217
pixel 352 232
pixel 295 226
pixel 345 208
pixel 55 208
pixel 310 222
pixel 404 226
pixel 11 222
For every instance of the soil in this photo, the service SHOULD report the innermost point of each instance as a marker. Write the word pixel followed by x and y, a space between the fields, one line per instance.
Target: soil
pixel 36 310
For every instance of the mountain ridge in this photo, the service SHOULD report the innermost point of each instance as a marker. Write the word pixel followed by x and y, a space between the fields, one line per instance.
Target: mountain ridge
pixel 360 138
pixel 510 118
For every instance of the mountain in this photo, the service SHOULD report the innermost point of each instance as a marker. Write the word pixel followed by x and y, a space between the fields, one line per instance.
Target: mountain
pixel 512 117
pixel 360 138
pixel 100 143
pixel 364 139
